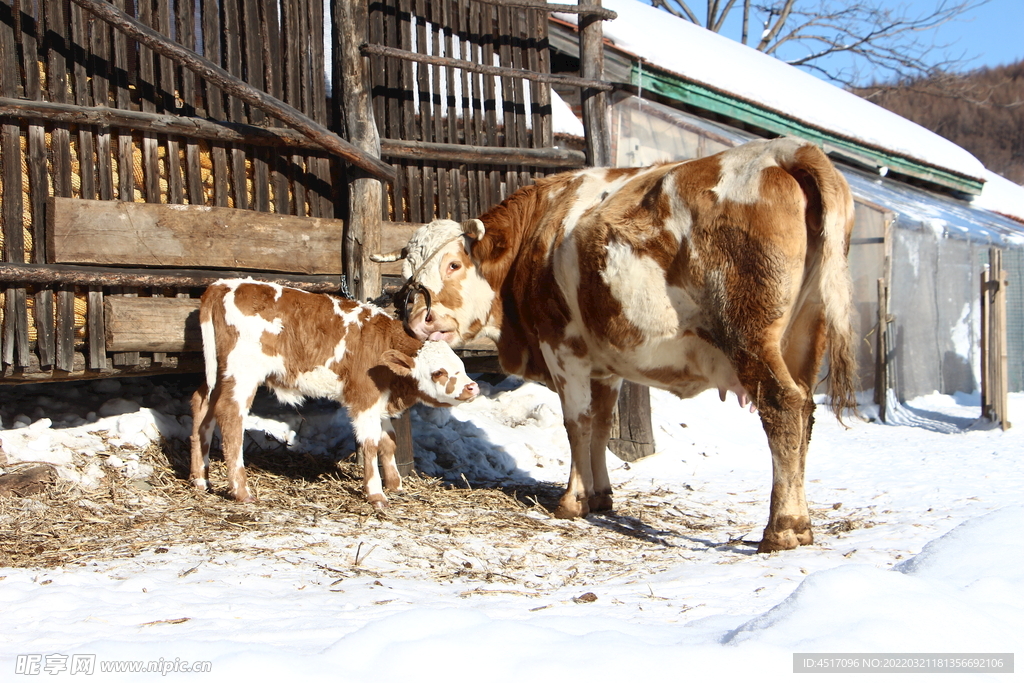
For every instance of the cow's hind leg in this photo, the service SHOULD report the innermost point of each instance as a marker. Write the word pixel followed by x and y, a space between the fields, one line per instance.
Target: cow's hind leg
pixel 784 409
pixel 203 424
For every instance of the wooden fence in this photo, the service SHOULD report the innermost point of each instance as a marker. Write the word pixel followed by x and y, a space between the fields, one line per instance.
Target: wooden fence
pixel 148 148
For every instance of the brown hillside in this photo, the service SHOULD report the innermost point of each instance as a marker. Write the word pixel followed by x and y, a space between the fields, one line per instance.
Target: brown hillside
pixel 982 111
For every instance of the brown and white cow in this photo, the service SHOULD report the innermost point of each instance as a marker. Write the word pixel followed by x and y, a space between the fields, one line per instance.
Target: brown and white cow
pixel 725 272
pixel 305 345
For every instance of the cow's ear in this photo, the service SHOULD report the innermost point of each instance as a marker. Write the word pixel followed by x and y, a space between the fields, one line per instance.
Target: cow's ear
pixel 474 229
pixel 399 363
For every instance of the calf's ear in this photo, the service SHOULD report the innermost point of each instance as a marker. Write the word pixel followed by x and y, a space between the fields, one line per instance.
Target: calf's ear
pixel 474 229
pixel 399 363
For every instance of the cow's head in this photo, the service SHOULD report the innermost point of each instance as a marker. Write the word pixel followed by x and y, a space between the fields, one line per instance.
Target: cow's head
pixel 439 374
pixel 445 297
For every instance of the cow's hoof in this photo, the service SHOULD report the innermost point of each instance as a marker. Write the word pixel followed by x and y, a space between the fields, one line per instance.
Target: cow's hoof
pixel 569 507
pixel 201 484
pixel 785 539
pixel 244 497
pixel 378 501
pixel 601 502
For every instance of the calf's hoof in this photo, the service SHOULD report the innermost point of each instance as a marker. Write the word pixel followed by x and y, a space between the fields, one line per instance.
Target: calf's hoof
pixel 200 484
pixel 786 538
pixel 243 496
pixel 570 507
pixel 601 502
pixel 378 500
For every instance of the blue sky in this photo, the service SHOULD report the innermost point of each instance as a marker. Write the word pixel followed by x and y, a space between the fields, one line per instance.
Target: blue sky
pixel 993 32
pixel 990 35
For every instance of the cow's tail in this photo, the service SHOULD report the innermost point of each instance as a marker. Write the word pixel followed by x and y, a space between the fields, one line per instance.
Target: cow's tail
pixel 830 198
pixel 211 306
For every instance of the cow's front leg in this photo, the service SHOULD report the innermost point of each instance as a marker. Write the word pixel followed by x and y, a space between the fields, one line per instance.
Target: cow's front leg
pixel 604 393
pixel 372 488
pixel 368 426
pixel 571 378
pixel 575 502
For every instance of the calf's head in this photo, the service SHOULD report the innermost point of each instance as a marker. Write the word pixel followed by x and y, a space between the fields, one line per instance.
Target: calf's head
pixel 445 297
pixel 439 374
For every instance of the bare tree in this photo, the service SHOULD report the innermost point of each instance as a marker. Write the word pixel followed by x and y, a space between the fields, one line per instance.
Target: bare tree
pixel 881 42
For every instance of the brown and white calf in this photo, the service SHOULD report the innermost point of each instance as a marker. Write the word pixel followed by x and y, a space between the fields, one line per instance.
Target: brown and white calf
pixel 725 272
pixel 305 345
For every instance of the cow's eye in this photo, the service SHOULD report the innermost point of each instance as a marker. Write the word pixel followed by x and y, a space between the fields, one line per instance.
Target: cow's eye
pixel 438 374
pixel 453 266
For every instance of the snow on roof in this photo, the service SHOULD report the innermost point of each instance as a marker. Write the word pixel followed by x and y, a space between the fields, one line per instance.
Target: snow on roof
pixel 725 65
pixel 563 119
pixel 1001 196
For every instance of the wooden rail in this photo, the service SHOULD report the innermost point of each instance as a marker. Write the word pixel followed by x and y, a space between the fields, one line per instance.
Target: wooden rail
pixel 84 276
pixel 384 51
pixel 598 12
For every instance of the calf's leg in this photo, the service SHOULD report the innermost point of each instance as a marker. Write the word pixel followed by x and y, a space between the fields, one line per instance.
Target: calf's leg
pixel 203 424
pixel 231 403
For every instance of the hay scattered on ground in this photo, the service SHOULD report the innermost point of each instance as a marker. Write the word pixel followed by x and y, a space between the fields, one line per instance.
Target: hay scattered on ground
pixel 315 506
pixel 311 511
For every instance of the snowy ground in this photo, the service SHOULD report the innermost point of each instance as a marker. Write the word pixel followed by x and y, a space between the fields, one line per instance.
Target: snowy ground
pixel 916 551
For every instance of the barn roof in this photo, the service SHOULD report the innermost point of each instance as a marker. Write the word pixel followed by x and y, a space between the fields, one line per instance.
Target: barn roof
pixel 687 63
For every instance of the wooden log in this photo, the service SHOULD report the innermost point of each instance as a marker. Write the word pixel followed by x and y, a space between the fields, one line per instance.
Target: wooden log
pixel 128 277
pixel 235 86
pixel 152 324
pixel 174 235
pixel 632 433
pixel 191 362
pixel 27 482
pixel 410 56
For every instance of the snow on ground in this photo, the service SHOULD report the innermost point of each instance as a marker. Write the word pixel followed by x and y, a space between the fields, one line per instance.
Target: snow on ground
pixel 917 550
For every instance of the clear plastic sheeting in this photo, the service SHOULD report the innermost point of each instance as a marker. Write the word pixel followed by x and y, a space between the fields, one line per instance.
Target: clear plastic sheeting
pixel 942 214
pixel 645 133
pixel 939 247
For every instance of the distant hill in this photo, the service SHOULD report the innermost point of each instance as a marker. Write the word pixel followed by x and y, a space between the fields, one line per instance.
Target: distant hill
pixel 982 111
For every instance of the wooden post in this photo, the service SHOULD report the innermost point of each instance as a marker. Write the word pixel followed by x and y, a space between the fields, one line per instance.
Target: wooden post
pixel 994 359
pixel 365 206
pixel 351 87
pixel 882 383
pixel 594 101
